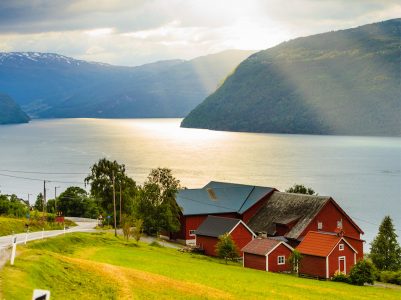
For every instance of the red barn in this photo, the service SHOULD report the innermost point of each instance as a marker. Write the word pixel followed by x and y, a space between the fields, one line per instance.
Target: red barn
pixel 207 235
pixel 325 253
pixel 294 215
pixel 267 255
pixel 219 199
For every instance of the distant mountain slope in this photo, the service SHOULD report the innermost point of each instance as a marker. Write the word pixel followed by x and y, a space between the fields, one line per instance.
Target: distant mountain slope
pixel 52 85
pixel 344 82
pixel 10 112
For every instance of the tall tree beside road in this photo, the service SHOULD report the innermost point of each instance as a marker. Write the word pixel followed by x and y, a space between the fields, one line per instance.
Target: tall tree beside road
pixel 156 204
pixel 101 178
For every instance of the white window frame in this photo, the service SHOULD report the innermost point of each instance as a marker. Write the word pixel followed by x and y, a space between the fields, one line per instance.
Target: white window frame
pixel 340 258
pixel 341 247
pixel 340 224
pixel 319 225
pixel 278 260
pixel 192 232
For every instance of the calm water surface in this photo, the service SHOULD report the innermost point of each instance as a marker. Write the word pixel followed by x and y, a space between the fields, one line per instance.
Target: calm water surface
pixel 363 174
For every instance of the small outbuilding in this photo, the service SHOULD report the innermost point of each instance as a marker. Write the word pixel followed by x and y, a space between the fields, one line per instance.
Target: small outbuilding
pixel 267 254
pixel 207 235
pixel 324 253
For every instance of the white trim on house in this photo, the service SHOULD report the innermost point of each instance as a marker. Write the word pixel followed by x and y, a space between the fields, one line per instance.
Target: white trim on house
pixel 243 259
pixel 345 264
pixel 327 266
pixel 246 226
pixel 278 260
pixel 274 248
pixel 342 239
pixel 267 263
pixel 193 232
pixel 354 258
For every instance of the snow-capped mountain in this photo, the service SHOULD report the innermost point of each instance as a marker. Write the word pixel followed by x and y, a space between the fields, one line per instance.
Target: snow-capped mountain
pixel 53 85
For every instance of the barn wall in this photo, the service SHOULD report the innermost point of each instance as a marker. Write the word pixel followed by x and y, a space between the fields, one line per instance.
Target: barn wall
pixel 254 261
pixel 241 237
pixel 357 244
pixel 193 222
pixel 273 266
pixel 208 244
pixel 333 258
pixel 313 266
pixel 329 215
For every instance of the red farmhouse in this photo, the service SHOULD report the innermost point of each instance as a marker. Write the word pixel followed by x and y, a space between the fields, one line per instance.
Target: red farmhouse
pixel 267 255
pixel 325 253
pixel 292 216
pixel 219 199
pixel 207 235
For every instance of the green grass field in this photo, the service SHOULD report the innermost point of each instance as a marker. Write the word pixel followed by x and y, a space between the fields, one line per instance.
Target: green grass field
pixel 17 225
pixel 99 266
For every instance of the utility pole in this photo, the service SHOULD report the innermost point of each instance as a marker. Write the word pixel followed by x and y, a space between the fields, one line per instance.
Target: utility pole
pixel 114 204
pixel 55 199
pixel 44 199
pixel 121 208
pixel 28 199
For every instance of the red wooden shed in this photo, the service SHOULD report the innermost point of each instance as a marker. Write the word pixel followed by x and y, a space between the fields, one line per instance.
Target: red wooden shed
pixel 267 255
pixel 325 253
pixel 207 235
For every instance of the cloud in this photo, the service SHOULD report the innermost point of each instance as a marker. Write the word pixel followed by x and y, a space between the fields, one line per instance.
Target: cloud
pixel 136 32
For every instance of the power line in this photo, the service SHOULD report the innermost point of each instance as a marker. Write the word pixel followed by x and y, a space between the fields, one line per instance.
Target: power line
pixel 37 179
pixel 45 173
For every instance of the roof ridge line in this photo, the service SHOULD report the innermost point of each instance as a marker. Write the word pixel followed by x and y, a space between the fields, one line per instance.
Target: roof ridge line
pixel 253 188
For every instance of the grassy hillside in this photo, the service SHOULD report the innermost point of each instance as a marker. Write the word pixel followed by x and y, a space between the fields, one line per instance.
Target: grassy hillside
pixel 99 266
pixel 344 82
pixel 10 112
pixel 10 225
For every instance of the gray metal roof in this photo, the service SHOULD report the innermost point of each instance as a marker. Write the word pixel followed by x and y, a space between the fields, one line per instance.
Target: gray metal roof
pixel 282 208
pixel 215 226
pixel 220 197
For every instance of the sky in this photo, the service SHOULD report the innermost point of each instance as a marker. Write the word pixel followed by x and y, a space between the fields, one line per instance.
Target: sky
pixel 134 32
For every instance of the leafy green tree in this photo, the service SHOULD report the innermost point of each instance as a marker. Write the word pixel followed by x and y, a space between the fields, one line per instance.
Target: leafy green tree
pixel 75 202
pixel 294 260
pixel 11 205
pixel 51 206
pixel 101 180
pixel 385 251
pixel 137 230
pixel 126 223
pixel 301 189
pixel 362 272
pixel 156 204
pixel 226 248
pixel 39 202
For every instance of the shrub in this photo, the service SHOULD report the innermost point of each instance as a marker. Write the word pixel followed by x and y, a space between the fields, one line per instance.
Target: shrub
pixel 340 277
pixel 226 247
pixel 362 272
pixel 390 277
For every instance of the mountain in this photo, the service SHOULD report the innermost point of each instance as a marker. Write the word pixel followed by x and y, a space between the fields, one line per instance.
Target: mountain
pixel 10 112
pixel 345 82
pixel 49 85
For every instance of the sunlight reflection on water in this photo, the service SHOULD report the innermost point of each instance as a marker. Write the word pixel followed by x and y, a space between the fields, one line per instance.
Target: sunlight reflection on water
pixel 361 173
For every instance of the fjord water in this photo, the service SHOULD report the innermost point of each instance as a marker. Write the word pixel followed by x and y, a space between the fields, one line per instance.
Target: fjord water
pixel 363 174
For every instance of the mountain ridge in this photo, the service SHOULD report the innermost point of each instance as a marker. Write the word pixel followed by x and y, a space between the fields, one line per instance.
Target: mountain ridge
pixel 49 85
pixel 10 112
pixel 342 82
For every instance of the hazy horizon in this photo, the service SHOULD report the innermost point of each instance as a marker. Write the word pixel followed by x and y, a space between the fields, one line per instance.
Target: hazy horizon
pixel 139 32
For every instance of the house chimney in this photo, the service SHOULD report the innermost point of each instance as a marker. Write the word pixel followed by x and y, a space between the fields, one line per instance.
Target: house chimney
pixel 212 194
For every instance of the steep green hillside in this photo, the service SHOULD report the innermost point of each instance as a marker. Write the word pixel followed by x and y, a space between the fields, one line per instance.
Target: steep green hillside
pixel 10 112
pixel 344 82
